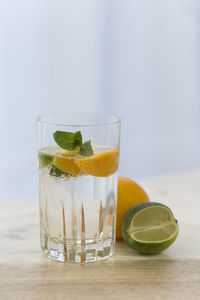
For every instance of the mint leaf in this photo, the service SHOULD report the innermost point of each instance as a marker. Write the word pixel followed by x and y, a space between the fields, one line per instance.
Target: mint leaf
pixel 73 142
pixel 56 172
pixel 77 140
pixel 86 149
pixel 68 140
pixel 64 139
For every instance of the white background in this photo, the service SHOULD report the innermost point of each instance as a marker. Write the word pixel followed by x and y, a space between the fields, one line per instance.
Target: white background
pixel 139 59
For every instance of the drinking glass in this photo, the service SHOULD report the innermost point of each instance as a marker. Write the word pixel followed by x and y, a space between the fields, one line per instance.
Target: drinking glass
pixel 78 163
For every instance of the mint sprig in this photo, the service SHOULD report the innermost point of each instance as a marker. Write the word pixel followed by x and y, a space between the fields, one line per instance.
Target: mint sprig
pixel 68 140
pixel 56 172
pixel 77 140
pixel 86 149
pixel 73 142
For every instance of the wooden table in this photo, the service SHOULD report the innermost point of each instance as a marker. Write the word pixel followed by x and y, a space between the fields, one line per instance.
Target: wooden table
pixel 25 273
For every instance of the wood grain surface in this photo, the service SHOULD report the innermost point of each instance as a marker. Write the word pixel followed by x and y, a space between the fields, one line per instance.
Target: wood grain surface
pixel 25 273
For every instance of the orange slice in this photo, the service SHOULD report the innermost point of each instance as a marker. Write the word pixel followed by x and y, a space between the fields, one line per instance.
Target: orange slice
pixel 101 165
pixel 65 164
pixel 69 153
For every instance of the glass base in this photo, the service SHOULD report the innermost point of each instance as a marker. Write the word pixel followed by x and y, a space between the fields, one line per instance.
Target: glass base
pixel 77 252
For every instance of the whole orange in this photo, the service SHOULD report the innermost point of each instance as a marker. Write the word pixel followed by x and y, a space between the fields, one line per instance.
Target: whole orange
pixel 129 194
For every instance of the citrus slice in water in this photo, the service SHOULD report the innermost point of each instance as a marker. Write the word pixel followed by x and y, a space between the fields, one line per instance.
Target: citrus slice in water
pixel 46 156
pixel 66 164
pixel 149 228
pixel 44 159
pixel 101 165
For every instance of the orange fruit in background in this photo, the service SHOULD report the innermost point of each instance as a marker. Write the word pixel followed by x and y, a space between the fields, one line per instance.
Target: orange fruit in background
pixel 129 194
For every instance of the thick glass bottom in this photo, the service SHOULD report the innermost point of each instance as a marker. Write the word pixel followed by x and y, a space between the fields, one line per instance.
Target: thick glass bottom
pixel 76 251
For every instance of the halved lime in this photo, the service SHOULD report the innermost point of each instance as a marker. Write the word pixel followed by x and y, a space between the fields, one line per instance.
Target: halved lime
pixel 149 228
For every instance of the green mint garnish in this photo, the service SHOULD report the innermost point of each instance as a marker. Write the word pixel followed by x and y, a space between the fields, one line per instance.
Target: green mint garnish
pixel 73 142
pixel 77 140
pixel 86 149
pixel 54 171
pixel 68 140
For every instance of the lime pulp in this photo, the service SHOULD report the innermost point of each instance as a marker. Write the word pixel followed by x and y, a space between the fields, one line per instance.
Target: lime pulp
pixel 149 228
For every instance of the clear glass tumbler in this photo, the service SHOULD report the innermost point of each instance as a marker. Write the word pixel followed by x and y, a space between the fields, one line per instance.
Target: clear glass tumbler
pixel 78 163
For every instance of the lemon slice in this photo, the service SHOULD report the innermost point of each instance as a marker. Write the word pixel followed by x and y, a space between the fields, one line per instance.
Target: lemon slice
pixel 149 228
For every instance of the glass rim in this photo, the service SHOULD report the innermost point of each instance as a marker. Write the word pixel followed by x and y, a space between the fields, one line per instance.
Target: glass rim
pixel 40 119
